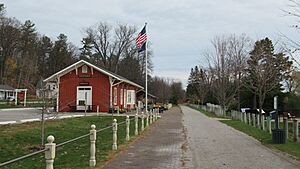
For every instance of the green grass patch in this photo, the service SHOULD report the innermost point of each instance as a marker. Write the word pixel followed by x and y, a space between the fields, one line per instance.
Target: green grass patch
pixel 12 105
pixel 265 138
pixel 7 106
pixel 22 139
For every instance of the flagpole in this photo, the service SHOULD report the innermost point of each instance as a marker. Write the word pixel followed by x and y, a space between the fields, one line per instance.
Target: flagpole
pixel 146 53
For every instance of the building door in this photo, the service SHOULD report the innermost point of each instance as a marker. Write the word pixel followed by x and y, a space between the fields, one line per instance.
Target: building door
pixel 84 98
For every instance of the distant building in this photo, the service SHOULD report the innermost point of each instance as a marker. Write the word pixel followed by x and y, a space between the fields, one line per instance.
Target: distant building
pixel 85 85
pixel 7 92
pixel 48 89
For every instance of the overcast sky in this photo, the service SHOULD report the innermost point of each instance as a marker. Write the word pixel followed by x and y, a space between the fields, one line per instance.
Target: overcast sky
pixel 179 30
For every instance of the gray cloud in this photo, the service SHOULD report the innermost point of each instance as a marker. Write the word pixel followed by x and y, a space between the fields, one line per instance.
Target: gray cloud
pixel 178 29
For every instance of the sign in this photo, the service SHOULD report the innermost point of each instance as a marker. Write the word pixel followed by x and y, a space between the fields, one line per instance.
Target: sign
pixel 83 83
pixel 84 76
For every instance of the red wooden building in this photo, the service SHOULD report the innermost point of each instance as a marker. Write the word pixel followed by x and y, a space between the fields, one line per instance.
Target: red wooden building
pixel 86 85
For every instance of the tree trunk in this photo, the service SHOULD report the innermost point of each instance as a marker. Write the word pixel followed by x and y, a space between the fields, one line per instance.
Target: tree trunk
pixel 254 101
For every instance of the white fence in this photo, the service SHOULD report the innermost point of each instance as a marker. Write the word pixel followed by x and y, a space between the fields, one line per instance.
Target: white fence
pixel 216 109
pixel 253 119
pixel 50 147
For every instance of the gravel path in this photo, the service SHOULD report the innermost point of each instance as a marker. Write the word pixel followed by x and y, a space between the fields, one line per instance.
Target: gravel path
pixel 160 147
pixel 216 146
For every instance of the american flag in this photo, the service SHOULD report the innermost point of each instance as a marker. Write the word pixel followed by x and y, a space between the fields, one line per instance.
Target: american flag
pixel 141 39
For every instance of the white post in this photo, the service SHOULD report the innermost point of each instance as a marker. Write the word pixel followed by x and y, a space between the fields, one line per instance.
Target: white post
pixel 111 81
pixel 241 116
pixel 127 128
pixel 146 65
pixel 93 146
pixel 249 118
pixel 57 94
pixel 151 118
pixel 118 110
pixel 136 119
pixel 296 130
pixel 114 129
pixel 147 119
pixel 270 124
pixel 85 101
pixel 97 110
pixel 25 95
pixel 16 99
pixel 142 122
pixel 50 153
pixel 263 122
pixel 254 120
pixel 258 120
pixel 245 118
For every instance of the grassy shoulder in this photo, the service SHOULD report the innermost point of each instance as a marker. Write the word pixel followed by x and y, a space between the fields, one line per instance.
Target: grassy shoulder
pixel 265 138
pixel 9 106
pixel 18 140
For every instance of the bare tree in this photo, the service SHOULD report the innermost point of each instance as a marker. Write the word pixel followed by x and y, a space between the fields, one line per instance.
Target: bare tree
pixel 219 66
pixel 106 45
pixel 161 87
pixel 238 52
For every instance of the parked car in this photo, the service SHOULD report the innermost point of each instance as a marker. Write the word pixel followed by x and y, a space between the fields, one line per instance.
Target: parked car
pixel 160 106
pixel 11 98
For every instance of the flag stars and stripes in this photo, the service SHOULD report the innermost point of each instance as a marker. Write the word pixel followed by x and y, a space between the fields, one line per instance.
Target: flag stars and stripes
pixel 142 38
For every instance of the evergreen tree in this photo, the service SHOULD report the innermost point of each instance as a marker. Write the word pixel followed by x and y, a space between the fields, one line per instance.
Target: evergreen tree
pixel 266 70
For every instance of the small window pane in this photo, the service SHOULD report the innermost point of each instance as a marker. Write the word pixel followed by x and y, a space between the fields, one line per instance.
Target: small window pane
pixel 84 69
pixel 81 102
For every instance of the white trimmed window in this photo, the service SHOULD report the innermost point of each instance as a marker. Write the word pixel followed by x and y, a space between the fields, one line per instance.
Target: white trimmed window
pixel 121 96
pixel 84 69
pixel 130 96
pixel 115 96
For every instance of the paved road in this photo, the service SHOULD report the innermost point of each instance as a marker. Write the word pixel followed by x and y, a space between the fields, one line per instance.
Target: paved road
pixel 160 147
pixel 217 146
pixel 18 114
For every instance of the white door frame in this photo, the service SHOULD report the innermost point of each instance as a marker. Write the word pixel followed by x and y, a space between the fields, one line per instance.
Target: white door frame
pixel 89 101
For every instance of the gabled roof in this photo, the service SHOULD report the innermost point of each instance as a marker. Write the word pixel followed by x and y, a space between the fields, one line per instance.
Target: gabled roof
pixel 6 87
pixel 83 62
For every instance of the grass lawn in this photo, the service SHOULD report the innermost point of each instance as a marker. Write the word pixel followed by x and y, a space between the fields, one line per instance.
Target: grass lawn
pixel 265 138
pixel 7 106
pixel 18 140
